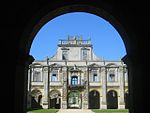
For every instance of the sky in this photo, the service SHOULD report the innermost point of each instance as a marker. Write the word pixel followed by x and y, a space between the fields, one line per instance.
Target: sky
pixel 107 43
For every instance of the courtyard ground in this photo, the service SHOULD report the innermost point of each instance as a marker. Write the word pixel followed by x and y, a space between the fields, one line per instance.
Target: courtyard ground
pixel 77 111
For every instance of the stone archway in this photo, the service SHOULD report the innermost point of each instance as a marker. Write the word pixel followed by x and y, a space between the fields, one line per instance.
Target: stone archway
pixel 74 99
pixel 72 8
pixel 36 97
pixel 19 43
pixel 112 99
pixel 94 99
pixel 54 99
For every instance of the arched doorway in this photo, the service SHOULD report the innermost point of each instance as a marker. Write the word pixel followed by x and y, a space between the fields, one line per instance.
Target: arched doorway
pixel 36 97
pixel 126 96
pixel 94 100
pixel 112 99
pixel 74 99
pixel 54 99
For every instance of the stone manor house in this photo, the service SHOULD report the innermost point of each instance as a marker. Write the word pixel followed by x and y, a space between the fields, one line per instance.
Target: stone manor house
pixel 76 78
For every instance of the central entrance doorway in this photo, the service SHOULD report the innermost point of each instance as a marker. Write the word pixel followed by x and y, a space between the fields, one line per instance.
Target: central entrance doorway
pixel 74 100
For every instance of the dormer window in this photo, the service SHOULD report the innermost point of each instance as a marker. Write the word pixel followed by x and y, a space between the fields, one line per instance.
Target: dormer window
pixel 84 54
pixel 64 54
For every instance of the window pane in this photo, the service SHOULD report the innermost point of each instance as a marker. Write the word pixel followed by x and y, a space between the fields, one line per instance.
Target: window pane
pixel 36 76
pixel 95 77
pixel 111 77
pixel 64 55
pixel 84 54
pixel 74 80
pixel 54 77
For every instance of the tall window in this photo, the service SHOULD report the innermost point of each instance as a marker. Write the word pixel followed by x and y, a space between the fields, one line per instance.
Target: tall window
pixel 84 54
pixel 74 80
pixel 37 76
pixel 64 55
pixel 111 77
pixel 54 77
pixel 95 77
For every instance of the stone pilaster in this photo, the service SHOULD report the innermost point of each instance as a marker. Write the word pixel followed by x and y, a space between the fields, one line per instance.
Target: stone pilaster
pixel 104 88
pixel 85 96
pixel 87 87
pixel 46 88
pixel 64 92
pixel 121 103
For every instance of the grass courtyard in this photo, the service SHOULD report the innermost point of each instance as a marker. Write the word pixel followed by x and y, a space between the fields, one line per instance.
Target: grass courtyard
pixel 94 110
pixel 43 111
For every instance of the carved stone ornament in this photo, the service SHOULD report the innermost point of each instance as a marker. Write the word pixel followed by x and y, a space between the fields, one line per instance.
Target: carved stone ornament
pixel 45 69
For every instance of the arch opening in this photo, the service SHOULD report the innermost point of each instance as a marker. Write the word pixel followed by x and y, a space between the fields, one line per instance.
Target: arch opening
pixel 94 100
pixel 54 99
pixel 112 100
pixel 74 100
pixel 36 97
pixel 43 23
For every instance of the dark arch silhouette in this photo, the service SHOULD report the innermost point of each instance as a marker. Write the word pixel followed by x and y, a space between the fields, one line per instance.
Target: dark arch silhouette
pixel 112 99
pixel 27 15
pixel 94 100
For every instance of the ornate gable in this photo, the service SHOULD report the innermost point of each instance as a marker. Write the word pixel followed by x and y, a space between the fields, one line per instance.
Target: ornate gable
pixel 74 69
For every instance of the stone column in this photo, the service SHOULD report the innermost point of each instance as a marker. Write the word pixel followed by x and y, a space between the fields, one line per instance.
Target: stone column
pixel 85 96
pixel 64 90
pixel 46 87
pixel 104 88
pixel 121 103
pixel 100 78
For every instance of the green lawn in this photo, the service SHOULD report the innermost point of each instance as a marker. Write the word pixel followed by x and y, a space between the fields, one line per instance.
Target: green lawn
pixel 111 111
pixel 43 111
pixel 94 110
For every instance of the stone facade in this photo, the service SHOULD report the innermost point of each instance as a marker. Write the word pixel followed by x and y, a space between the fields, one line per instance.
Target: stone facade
pixel 76 78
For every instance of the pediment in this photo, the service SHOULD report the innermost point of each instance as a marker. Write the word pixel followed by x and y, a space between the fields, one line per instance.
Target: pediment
pixel 94 65
pixel 36 64
pixel 55 65
pixel 111 65
pixel 75 68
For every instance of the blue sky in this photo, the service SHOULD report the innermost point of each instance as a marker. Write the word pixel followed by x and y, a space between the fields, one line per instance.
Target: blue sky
pixel 107 42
